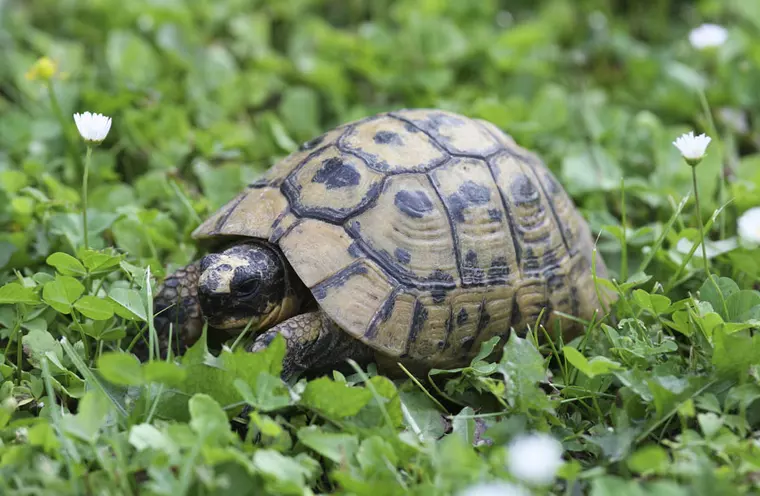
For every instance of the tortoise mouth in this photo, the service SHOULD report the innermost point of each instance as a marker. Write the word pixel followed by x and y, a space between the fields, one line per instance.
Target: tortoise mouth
pixel 232 325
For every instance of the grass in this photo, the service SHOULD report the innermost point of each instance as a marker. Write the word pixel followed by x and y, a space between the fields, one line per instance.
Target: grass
pixel 657 397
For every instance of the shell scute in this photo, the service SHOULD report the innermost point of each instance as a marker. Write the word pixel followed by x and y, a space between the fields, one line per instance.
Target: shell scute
pixel 455 133
pixel 332 185
pixel 387 145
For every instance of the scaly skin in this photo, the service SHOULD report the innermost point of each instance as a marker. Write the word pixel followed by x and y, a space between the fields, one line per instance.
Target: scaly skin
pixel 313 342
pixel 176 302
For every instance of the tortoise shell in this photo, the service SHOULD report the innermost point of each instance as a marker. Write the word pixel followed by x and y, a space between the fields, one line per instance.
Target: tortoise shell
pixel 422 233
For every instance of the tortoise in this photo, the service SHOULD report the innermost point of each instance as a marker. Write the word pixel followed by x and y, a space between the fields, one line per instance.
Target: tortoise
pixel 409 236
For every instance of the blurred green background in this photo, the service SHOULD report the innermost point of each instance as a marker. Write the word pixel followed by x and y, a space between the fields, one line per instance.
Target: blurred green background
pixel 205 95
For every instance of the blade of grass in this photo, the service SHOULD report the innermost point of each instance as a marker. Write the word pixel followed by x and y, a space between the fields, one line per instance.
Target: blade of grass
pixel 89 376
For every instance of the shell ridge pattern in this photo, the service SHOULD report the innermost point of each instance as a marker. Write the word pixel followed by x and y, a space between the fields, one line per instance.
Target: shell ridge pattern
pixel 387 265
pixel 454 235
pixel 549 200
pixel 510 219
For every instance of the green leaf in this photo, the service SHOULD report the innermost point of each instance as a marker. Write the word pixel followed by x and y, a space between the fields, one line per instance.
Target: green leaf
pixel 92 415
pixel 14 292
pixel 734 353
pixel 338 447
pixel 743 305
pixel 98 263
pixel 62 293
pixel 94 308
pixel 650 459
pixel 710 423
pixel 129 304
pixel 667 391
pixel 146 436
pixel 207 417
pixel 716 291
pixel 654 303
pixel 38 345
pixel 268 393
pixel 167 373
pixel 284 475
pixel 523 367
pixel 120 368
pixel 376 455
pixel 591 368
pixel 334 399
pixel 215 376
pixel 66 264
pixel 463 425
pixel 266 425
pixel 423 412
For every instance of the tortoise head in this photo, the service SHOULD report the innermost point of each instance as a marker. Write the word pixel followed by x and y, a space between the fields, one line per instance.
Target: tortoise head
pixel 247 282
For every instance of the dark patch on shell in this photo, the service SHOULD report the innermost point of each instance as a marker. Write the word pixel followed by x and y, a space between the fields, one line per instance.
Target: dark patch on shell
pixel 530 261
pixel 402 255
pixel 382 315
pixel 516 317
pixel 483 319
pixel 413 203
pixel 471 272
pixel 523 190
pixel 469 194
pixel 312 143
pixel 387 138
pixel 462 317
pixel 335 173
pixel 338 279
pixel 499 270
pixel 439 295
pixel 354 250
pixel 419 318
pixel 466 343
pixel 439 276
pixel 410 127
pixel 494 214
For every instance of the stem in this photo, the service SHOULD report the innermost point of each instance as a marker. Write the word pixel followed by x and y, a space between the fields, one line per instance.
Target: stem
pixel 624 241
pixel 16 333
pixel 83 335
pixel 84 196
pixel 64 126
pixel 699 219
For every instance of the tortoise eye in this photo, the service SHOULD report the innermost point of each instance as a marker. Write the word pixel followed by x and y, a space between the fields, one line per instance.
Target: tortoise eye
pixel 247 287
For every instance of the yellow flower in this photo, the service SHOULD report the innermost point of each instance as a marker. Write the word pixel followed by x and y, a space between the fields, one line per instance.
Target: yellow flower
pixel 44 69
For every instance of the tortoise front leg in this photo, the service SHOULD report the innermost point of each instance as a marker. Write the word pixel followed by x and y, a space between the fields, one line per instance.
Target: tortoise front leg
pixel 176 303
pixel 313 342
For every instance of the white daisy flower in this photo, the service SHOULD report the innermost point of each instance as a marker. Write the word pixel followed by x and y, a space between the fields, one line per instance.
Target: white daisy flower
pixel 535 458
pixel 708 36
pixel 749 225
pixel 692 147
pixel 93 127
pixel 494 489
